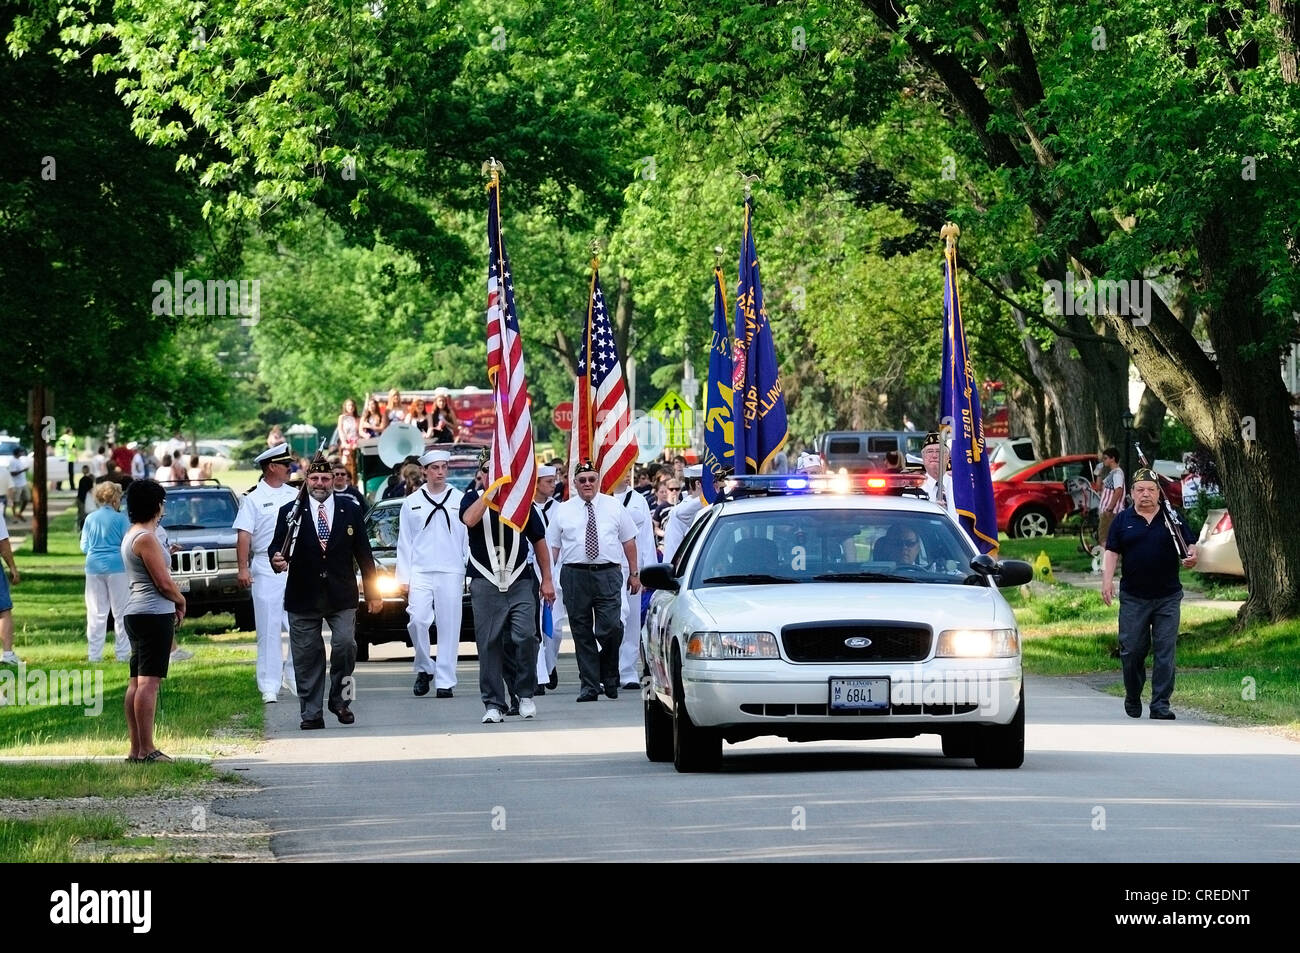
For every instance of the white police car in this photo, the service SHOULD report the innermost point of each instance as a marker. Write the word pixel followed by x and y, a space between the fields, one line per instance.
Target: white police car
pixel 814 613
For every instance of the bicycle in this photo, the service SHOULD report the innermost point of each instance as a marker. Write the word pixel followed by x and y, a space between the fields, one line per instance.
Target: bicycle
pixel 1087 501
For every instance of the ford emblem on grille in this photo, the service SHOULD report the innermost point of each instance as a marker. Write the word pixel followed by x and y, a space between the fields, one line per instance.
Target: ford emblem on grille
pixel 857 642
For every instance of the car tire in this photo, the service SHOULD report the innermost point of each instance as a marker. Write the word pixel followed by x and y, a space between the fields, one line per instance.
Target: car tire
pixel 246 618
pixel 958 743
pixel 694 748
pixel 1002 746
pixel 1032 521
pixel 658 730
pixel 363 647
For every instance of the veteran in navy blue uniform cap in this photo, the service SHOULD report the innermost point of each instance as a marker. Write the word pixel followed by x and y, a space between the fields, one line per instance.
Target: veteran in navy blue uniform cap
pixel 328 544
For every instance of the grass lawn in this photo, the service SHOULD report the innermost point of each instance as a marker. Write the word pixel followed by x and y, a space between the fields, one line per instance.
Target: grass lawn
pixel 1063 551
pixel 207 706
pixel 71 779
pixel 54 839
pixel 1251 676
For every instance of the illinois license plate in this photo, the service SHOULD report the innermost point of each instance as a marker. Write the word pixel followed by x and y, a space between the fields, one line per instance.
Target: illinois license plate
pixel 183 585
pixel 864 695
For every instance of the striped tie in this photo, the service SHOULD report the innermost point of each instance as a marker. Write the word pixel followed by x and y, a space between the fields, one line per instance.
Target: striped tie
pixel 322 527
pixel 593 540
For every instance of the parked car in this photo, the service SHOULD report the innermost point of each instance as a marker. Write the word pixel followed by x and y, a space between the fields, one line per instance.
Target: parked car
pixel 1033 501
pixel 389 624
pixel 815 614
pixel 1216 548
pixel 200 519
pixel 1011 456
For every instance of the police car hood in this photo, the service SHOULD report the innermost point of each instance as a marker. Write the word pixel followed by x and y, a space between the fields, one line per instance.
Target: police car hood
pixel 767 608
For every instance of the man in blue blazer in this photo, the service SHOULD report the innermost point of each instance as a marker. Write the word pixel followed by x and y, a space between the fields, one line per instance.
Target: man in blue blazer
pixel 329 543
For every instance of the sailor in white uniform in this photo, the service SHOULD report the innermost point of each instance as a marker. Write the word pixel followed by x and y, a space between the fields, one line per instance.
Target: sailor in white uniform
pixel 681 516
pixel 629 651
pixel 255 525
pixel 545 503
pixel 432 547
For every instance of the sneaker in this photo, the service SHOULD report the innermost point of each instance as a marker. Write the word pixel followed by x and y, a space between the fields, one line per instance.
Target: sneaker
pixel 9 658
pixel 527 708
pixel 492 716
pixel 180 655
pixel 269 698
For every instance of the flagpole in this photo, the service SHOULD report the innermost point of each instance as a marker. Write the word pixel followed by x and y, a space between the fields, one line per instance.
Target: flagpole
pixel 950 233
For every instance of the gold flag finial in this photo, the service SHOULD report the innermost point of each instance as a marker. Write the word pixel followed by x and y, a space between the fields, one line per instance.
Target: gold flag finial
pixel 596 245
pixel 717 256
pixel 749 180
pixel 950 233
pixel 493 169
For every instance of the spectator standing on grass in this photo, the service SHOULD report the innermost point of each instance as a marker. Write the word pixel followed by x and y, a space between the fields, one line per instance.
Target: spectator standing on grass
pixel 1112 492
pixel 99 462
pixel 153 610
pixel 6 601
pixel 106 583
pixel 67 448
pixel 84 487
pixel 20 493
pixel 1149 595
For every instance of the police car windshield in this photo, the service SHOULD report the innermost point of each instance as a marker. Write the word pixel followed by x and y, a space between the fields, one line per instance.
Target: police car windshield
pixel 830 546
pixel 212 509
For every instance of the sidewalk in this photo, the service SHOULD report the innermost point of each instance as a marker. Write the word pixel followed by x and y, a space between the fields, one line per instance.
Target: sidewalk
pixel 1088 580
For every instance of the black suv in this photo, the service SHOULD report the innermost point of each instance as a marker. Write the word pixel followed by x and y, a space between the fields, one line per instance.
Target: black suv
pixel 200 519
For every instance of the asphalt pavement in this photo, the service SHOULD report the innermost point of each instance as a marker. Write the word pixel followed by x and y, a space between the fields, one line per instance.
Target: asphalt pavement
pixel 420 779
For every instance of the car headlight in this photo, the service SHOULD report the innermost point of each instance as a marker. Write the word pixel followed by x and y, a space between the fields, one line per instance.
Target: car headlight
pixel 388 585
pixel 978 643
pixel 731 645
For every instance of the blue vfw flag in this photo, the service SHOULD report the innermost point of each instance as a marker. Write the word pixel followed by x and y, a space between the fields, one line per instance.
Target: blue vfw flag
pixel 719 429
pixel 759 408
pixel 959 412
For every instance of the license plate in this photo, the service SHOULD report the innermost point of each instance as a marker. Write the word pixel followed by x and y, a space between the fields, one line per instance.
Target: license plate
pixel 865 695
pixel 183 585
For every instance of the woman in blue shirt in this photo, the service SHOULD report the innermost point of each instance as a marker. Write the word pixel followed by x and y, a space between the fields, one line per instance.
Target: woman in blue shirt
pixel 106 582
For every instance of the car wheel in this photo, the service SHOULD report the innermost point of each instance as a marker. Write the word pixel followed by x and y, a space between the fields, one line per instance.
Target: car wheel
pixel 246 619
pixel 958 743
pixel 658 730
pixel 1002 746
pixel 1032 521
pixel 363 648
pixel 694 748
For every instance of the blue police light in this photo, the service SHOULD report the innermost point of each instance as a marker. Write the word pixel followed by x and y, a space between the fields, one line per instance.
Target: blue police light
pixel 796 483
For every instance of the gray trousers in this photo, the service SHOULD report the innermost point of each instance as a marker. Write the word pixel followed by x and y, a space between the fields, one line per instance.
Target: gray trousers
pixel 594 602
pixel 309 658
pixel 1148 625
pixel 504 621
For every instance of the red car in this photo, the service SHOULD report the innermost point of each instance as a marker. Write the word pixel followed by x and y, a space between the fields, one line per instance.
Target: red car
pixel 1032 501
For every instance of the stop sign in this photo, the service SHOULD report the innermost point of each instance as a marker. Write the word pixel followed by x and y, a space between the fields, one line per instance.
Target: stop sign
pixel 562 416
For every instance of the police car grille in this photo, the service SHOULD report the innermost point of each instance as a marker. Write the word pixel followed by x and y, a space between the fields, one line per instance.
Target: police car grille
pixel 889 642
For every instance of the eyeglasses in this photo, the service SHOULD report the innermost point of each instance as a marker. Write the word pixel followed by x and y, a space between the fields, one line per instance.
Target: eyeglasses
pixel 584 481
pixel 340 473
pixel 674 489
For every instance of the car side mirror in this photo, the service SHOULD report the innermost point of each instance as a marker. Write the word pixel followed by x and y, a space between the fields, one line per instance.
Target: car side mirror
pixel 660 576
pixel 1008 573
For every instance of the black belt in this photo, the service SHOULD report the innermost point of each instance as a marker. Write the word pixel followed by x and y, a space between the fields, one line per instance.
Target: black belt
pixel 590 567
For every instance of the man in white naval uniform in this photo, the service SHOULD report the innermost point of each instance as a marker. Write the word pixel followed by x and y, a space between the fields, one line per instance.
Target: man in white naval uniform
pixel 545 503
pixel 543 500
pixel 681 516
pixel 432 548
pixel 255 525
pixel 930 457
pixel 630 651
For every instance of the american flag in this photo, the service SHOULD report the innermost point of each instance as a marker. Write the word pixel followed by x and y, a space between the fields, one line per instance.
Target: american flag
pixel 512 465
pixel 602 421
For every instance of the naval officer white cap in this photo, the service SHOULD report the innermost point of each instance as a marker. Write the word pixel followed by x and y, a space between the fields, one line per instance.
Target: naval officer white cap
pixel 277 454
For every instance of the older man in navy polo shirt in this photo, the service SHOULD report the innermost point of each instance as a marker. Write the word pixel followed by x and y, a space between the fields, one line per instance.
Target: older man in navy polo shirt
pixel 1149 595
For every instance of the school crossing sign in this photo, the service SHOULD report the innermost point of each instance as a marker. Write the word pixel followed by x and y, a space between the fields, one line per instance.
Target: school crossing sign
pixel 678 418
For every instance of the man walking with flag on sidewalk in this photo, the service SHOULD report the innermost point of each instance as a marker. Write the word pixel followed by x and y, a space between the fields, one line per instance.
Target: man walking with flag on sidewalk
pixel 959 414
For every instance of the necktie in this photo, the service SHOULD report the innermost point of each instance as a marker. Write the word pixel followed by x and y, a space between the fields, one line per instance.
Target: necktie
pixel 593 540
pixel 322 527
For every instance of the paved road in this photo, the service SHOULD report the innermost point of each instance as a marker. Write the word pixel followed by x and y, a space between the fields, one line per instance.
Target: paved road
pixel 422 780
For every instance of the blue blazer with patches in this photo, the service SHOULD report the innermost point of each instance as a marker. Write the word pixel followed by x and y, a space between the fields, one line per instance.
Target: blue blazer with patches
pixel 310 569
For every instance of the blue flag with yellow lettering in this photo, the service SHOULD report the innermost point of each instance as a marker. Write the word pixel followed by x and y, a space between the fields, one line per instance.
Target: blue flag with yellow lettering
pixel 959 410
pixel 719 429
pixel 756 382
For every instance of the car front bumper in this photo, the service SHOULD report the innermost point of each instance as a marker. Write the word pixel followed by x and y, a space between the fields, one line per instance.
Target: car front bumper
pixel 768 696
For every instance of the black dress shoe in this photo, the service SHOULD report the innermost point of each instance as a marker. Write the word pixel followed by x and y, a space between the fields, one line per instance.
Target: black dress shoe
pixel 1165 715
pixel 422 680
pixel 443 693
pixel 588 696
pixel 308 724
pixel 344 714
pixel 611 691
pixel 631 686
pixel 1132 708
pixel 555 680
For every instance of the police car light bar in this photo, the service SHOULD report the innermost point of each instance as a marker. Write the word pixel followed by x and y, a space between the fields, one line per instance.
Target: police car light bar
pixel 843 482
